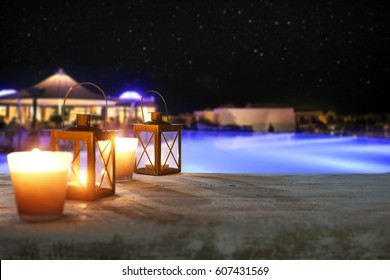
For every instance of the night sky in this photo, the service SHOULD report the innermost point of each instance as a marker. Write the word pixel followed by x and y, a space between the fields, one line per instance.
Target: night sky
pixel 312 55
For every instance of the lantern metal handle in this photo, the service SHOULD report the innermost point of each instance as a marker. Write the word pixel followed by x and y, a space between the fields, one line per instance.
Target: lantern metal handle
pixel 153 91
pixel 85 83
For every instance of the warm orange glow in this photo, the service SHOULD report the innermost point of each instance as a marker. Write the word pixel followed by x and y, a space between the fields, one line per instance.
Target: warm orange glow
pixel 126 149
pixel 39 179
pixel 83 178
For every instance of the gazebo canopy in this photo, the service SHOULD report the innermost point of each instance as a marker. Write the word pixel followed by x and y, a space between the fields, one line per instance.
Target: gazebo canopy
pixel 53 90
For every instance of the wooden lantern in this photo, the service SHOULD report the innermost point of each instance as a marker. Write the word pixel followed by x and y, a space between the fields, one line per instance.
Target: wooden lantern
pixel 159 144
pixel 92 173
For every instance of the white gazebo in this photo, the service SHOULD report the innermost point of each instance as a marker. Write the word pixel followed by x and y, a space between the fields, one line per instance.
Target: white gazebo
pixel 49 96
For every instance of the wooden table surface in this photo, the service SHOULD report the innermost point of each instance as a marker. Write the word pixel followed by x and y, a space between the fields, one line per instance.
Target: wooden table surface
pixel 212 216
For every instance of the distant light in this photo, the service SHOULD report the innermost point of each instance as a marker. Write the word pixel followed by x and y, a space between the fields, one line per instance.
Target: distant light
pixel 133 95
pixel 5 92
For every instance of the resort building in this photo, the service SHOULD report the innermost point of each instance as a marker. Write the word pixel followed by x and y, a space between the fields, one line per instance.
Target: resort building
pixel 315 121
pixel 46 98
pixel 257 119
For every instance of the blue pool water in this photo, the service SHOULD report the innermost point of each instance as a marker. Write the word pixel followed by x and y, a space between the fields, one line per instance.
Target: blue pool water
pixel 245 152
pixel 230 152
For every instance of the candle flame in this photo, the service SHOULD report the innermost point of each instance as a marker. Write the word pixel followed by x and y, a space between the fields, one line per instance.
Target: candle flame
pixel 124 144
pixel 83 178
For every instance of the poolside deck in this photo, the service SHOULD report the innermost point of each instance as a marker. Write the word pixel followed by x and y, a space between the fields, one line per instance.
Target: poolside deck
pixel 212 216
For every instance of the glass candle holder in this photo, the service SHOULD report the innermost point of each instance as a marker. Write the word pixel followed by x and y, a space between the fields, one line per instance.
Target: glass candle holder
pixel 39 179
pixel 126 149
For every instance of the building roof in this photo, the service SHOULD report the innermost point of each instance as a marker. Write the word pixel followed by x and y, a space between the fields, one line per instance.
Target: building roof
pixel 53 89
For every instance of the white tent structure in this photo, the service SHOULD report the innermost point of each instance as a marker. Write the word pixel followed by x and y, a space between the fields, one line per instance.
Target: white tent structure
pixel 40 107
pixel 50 95
pixel 53 90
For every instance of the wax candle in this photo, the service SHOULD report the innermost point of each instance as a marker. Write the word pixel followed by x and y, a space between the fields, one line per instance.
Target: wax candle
pixel 81 181
pixel 39 179
pixel 125 151
pixel 149 166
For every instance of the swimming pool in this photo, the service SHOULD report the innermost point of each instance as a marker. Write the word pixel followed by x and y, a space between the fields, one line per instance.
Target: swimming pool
pixel 246 152
pixel 232 152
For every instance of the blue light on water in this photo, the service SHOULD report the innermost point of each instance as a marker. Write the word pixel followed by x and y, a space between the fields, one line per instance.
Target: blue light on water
pixel 229 152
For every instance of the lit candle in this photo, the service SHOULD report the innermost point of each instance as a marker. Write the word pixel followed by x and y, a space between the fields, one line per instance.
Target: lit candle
pixel 149 166
pixel 80 181
pixel 125 151
pixel 39 179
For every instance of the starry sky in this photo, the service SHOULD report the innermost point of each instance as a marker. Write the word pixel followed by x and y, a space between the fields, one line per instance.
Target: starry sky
pixel 311 55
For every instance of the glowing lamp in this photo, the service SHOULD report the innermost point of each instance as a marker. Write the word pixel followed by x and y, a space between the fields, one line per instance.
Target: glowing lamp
pixel 92 172
pixel 39 182
pixel 125 150
pixel 159 144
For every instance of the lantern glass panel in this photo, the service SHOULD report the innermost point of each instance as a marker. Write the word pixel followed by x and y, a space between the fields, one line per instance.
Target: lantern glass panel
pixel 79 175
pixel 169 149
pixel 146 149
pixel 104 164
pixel 79 167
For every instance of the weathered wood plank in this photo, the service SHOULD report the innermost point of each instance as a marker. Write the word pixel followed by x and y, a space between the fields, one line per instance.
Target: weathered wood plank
pixel 212 216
